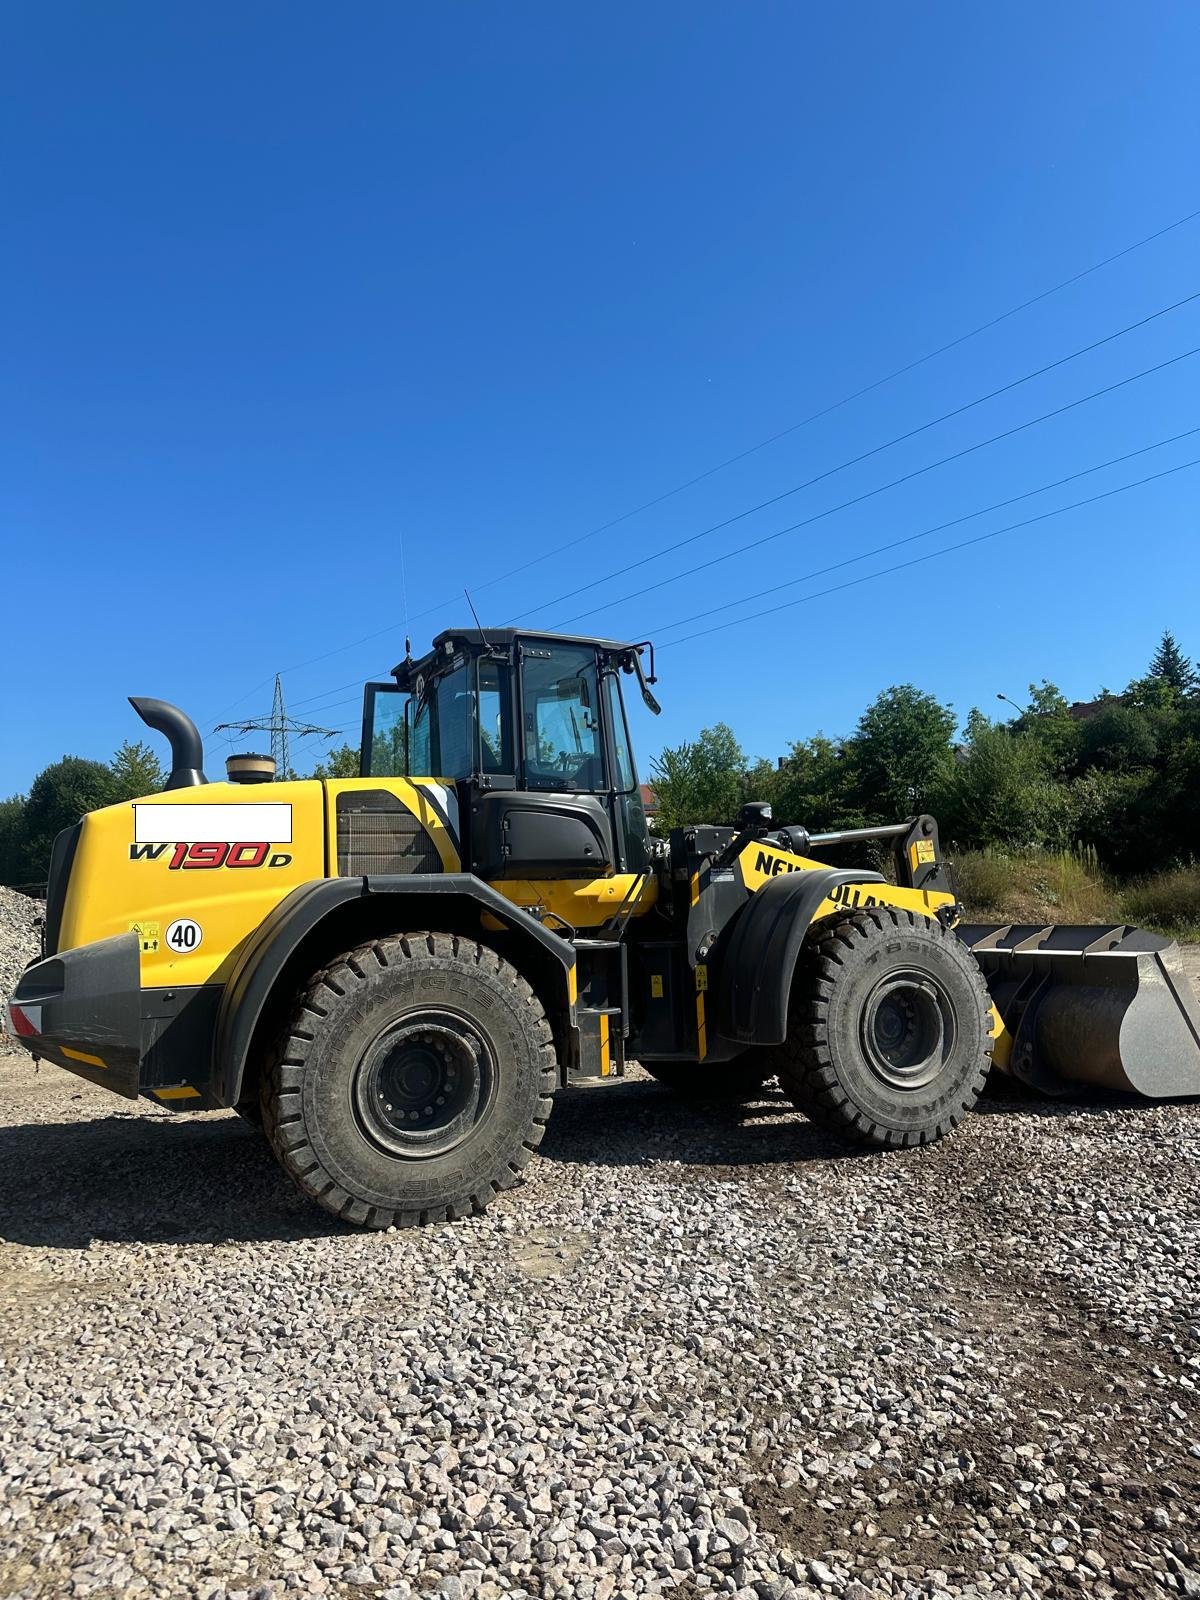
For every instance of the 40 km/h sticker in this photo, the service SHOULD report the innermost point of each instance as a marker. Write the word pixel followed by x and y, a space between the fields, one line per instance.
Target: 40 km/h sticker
pixel 184 936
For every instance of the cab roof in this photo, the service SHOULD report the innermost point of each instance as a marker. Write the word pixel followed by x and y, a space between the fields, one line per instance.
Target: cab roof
pixel 499 639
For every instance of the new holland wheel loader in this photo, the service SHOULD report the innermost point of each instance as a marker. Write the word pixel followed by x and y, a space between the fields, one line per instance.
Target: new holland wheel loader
pixel 396 972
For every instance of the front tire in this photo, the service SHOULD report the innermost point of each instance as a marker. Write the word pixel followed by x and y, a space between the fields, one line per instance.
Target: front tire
pixel 889 1030
pixel 413 1081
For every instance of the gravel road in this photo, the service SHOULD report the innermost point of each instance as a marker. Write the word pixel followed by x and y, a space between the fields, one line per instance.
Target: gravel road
pixel 700 1351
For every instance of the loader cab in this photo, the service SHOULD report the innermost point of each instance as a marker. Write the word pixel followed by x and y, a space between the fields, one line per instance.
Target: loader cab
pixel 531 730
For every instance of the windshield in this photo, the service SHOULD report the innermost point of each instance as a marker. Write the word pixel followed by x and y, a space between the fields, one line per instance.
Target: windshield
pixel 562 719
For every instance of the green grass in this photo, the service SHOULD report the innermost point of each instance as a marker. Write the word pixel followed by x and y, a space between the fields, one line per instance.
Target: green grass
pixel 1034 886
pixel 1168 902
pixel 1041 887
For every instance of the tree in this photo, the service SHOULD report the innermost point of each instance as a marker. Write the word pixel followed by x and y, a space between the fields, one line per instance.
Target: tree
pixel 1171 665
pixel 13 848
pixel 1119 738
pixel 814 786
pixel 340 762
pixel 1002 791
pixel 136 771
pixel 1050 724
pixel 900 748
pixel 700 782
pixel 60 794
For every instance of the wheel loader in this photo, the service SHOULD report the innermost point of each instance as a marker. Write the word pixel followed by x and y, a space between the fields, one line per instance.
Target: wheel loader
pixel 394 973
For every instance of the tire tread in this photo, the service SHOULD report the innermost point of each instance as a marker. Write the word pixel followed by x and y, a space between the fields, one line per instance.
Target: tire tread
pixel 808 1072
pixel 284 1070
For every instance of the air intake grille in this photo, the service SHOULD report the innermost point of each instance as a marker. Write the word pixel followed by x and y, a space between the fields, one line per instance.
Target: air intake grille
pixel 376 834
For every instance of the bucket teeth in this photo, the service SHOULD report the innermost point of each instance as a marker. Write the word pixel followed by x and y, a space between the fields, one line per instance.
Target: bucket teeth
pixel 1110 1006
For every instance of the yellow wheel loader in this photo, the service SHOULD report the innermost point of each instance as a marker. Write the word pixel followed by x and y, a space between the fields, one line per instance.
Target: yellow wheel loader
pixel 395 972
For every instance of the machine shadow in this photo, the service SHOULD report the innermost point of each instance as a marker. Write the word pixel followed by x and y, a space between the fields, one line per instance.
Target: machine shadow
pixel 139 1179
pixel 147 1179
pixel 641 1124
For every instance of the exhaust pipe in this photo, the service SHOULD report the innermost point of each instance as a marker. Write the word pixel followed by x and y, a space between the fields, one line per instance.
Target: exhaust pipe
pixel 187 748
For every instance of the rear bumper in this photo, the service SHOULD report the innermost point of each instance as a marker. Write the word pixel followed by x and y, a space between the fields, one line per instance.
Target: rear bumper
pixel 85 1010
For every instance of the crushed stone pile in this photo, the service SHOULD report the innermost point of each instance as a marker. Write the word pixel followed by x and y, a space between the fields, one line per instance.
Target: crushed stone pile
pixel 20 941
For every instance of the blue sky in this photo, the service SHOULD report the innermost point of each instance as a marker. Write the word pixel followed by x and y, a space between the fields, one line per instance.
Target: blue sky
pixel 285 284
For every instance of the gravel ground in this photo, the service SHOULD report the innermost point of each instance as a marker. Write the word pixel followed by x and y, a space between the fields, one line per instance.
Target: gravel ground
pixel 700 1351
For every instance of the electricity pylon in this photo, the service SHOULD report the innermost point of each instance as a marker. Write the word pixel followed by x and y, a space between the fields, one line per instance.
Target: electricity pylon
pixel 281 727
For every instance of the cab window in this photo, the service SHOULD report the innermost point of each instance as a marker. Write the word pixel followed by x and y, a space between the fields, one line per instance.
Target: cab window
pixel 560 697
pixel 442 727
pixel 495 719
pixel 625 777
pixel 454 725
pixel 387 753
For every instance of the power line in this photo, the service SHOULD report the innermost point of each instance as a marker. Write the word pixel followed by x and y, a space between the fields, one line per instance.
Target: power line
pixel 720 466
pixel 818 516
pixel 866 455
pixel 930 555
pixel 836 405
pixel 870 494
pixel 926 533
pixel 280 726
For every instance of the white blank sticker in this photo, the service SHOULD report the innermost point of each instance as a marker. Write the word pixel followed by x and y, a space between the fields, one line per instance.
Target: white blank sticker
pixel 229 822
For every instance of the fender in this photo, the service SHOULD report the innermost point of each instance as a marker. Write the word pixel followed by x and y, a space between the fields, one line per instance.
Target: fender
pixel 754 984
pixel 280 935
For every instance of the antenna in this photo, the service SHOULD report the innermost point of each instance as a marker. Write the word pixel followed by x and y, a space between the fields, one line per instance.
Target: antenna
pixel 404 595
pixel 280 726
pixel 478 624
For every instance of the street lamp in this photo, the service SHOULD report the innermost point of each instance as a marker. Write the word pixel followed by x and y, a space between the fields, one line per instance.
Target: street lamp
pixel 1024 710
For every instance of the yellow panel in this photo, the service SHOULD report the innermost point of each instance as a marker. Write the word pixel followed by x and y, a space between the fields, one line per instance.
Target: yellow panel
pixel 118 884
pixel 82 1055
pixel 1002 1041
pixel 701 1027
pixel 584 903
pixel 762 862
pixel 605 1051
pixel 421 796
pixel 183 1092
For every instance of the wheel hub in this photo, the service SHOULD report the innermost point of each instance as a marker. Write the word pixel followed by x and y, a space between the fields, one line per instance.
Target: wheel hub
pixel 908 1029
pixel 424 1083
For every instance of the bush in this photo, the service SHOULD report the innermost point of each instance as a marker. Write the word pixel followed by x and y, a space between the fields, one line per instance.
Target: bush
pixel 1111 810
pixel 1168 902
pixel 1001 792
pixel 1034 886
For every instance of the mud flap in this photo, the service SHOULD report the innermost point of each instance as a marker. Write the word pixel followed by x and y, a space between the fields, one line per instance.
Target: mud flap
pixel 1106 1006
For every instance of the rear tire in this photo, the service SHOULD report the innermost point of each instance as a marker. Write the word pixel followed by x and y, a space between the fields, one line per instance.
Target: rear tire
pixel 741 1078
pixel 412 1083
pixel 889 1029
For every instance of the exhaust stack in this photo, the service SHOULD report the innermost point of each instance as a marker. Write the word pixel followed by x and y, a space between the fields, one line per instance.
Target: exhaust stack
pixel 187 748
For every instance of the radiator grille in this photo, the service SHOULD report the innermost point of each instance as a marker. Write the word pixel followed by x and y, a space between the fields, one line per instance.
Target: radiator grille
pixel 376 834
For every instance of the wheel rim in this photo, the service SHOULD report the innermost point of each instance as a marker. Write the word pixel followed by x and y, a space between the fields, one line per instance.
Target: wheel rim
pixel 908 1029
pixel 424 1084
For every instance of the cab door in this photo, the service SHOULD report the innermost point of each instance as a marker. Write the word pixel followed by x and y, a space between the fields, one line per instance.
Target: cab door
pixel 630 830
